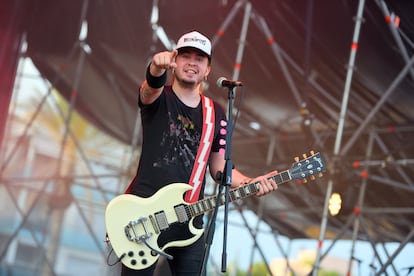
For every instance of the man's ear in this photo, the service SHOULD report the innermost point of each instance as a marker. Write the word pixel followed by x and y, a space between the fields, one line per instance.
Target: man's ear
pixel 207 72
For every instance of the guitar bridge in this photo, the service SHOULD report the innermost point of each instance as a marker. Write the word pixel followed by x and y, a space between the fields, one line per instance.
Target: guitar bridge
pixel 132 227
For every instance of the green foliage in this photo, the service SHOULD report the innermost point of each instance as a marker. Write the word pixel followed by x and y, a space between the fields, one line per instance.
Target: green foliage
pixel 328 273
pixel 260 269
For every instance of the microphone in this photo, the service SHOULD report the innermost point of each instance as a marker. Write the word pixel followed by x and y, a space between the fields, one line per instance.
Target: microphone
pixel 223 82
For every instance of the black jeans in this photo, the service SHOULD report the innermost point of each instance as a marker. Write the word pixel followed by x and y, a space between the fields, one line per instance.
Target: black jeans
pixel 187 261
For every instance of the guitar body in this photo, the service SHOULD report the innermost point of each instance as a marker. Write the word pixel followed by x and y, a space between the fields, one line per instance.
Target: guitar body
pixel 133 223
pixel 140 229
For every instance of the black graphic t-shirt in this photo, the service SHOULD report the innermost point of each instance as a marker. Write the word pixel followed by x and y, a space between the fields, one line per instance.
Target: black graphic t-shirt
pixel 171 135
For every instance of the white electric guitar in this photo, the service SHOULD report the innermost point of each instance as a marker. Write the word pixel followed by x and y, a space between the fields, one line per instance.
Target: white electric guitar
pixel 138 228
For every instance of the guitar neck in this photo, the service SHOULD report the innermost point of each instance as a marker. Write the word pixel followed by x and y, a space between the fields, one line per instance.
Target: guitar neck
pixel 245 191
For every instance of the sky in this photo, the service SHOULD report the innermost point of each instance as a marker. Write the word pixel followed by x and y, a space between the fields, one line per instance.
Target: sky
pixel 240 244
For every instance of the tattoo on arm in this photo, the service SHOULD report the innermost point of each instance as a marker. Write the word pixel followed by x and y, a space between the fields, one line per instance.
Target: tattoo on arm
pixel 148 94
pixel 145 93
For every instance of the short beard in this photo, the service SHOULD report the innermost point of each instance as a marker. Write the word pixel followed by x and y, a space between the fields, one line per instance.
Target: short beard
pixel 186 84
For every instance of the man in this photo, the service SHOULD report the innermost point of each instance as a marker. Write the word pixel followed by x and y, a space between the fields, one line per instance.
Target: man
pixel 174 128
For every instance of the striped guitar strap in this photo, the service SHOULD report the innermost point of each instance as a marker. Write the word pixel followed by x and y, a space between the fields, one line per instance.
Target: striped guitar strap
pixel 200 163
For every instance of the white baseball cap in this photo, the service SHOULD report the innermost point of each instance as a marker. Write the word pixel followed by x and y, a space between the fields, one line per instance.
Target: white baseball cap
pixel 195 40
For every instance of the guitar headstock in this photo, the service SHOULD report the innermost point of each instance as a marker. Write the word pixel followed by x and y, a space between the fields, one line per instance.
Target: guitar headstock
pixel 308 167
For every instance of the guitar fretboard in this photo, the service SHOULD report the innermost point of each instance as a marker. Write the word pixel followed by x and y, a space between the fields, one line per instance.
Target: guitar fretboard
pixel 299 170
pixel 207 204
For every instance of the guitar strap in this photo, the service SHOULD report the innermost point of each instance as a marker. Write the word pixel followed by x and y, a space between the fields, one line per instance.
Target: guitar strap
pixel 200 163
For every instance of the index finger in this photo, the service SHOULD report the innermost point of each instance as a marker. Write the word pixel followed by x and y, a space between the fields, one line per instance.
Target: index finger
pixel 174 54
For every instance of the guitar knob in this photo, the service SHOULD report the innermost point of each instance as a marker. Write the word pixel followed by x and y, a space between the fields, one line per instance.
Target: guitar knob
pixel 304 181
pixel 320 174
pixel 304 156
pixel 296 159
pixel 312 152
pixel 312 177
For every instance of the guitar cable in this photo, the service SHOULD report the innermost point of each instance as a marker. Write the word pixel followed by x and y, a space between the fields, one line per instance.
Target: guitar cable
pixel 166 255
pixel 117 261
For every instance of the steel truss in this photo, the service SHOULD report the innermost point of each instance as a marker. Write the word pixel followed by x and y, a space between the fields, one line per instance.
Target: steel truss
pixel 357 217
pixel 282 59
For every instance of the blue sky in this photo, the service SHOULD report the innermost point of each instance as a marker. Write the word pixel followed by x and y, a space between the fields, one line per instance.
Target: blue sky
pixel 240 245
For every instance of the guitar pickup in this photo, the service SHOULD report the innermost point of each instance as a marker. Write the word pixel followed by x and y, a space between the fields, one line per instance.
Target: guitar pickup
pixel 161 219
pixel 181 213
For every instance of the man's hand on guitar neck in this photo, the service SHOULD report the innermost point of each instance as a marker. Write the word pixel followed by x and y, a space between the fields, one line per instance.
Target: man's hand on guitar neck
pixel 267 183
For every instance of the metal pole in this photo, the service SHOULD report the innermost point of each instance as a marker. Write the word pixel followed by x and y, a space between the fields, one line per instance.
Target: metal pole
pixel 253 235
pixel 341 233
pixel 323 229
pixel 389 19
pixel 348 81
pixel 360 203
pixel 371 242
pixel 354 47
pixel 242 40
pixel 284 254
pixel 389 257
pixel 379 104
pixel 33 234
pixel 261 23
pixel 226 22
pixel 60 189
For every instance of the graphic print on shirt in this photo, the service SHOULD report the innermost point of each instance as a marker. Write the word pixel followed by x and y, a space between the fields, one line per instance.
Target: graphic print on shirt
pixel 179 142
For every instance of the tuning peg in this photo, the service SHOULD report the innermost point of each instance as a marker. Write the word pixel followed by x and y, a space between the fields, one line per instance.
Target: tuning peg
pixel 304 156
pixel 312 152
pixel 296 159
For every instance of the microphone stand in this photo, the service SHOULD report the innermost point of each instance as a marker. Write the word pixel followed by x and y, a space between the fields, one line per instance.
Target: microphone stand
pixel 225 182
